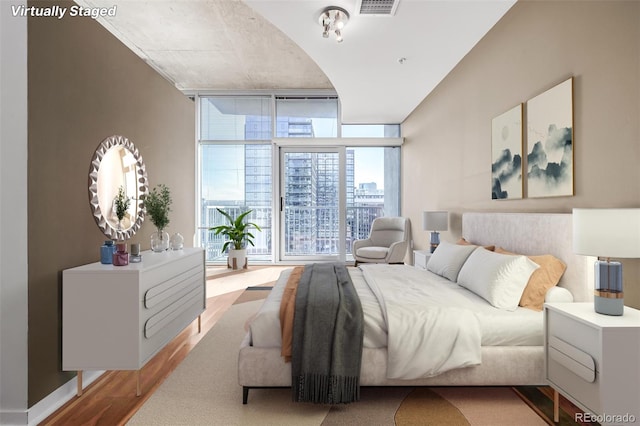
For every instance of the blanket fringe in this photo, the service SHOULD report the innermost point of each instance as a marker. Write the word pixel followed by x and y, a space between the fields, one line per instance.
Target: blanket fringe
pixel 323 389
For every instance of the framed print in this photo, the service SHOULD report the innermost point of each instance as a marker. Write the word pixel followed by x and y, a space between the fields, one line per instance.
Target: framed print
pixel 550 142
pixel 506 155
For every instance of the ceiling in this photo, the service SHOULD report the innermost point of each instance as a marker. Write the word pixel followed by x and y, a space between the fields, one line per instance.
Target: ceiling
pixel 233 45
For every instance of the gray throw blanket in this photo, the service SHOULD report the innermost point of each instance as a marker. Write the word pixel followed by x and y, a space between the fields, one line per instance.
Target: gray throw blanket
pixel 327 337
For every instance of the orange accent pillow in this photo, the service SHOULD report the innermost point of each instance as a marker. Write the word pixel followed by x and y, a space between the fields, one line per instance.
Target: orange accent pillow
pixel 464 242
pixel 546 276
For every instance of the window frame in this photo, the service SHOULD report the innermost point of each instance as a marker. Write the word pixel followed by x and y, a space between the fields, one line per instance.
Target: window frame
pixel 276 143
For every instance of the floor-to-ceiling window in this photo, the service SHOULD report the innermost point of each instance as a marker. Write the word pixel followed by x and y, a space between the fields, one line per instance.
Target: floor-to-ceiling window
pixel 235 172
pixel 373 188
pixel 313 185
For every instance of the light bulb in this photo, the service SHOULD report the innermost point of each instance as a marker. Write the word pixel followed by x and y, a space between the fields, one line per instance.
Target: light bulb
pixel 338 23
pixel 338 36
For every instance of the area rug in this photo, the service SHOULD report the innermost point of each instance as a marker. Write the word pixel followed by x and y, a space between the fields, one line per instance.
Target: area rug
pixel 203 390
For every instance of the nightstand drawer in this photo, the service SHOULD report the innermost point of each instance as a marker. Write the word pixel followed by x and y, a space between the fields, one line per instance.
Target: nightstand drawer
pixel 575 333
pixel 573 359
pixel 561 373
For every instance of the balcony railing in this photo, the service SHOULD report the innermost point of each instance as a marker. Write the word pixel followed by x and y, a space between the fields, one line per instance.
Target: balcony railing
pixel 309 231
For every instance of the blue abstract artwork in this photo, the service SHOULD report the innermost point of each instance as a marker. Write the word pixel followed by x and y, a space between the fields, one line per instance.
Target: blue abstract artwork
pixel 550 142
pixel 506 152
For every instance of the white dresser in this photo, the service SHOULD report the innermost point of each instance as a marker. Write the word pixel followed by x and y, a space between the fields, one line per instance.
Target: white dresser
pixel 119 317
pixel 594 360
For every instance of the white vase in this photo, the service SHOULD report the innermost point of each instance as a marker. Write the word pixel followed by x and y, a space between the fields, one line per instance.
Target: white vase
pixel 237 259
pixel 160 241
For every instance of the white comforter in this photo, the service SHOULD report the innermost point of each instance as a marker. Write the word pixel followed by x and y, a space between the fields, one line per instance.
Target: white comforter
pixel 417 289
pixel 419 321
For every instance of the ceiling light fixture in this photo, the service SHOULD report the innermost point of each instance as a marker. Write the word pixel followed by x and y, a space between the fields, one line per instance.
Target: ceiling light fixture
pixel 333 19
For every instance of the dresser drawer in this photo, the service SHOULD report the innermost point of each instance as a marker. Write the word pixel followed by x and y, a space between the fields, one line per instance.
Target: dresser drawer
pixel 167 292
pixel 169 271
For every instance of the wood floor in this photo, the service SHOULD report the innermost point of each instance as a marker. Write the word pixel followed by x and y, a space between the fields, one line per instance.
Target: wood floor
pixel 111 400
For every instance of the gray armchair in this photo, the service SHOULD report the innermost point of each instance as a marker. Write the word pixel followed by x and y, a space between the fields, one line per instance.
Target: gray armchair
pixel 387 243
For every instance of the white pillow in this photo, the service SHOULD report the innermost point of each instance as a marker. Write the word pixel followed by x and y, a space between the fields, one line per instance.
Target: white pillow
pixel 448 258
pixel 558 294
pixel 498 278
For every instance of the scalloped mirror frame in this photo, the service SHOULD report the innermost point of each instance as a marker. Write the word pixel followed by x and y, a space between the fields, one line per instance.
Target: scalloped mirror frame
pixel 142 186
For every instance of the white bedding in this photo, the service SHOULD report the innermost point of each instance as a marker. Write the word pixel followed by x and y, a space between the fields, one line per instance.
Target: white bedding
pixel 427 333
pixel 522 327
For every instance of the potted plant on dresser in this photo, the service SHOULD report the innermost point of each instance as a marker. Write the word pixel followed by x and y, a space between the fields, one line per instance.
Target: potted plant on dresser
pixel 158 202
pixel 238 235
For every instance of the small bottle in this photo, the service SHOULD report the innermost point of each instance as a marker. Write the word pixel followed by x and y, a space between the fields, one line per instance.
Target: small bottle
pixel 135 256
pixel 106 252
pixel 121 257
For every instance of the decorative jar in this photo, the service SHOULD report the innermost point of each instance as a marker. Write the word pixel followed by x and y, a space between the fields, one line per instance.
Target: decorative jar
pixel 106 252
pixel 121 257
pixel 135 256
pixel 177 241
pixel 160 241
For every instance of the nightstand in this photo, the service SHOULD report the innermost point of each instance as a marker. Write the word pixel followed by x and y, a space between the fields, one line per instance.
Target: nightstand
pixel 420 258
pixel 594 360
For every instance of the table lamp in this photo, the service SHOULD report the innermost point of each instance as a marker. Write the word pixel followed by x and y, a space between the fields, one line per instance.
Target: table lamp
pixel 434 222
pixel 607 233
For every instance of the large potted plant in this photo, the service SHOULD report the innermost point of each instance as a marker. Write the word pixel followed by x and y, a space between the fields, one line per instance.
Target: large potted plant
pixel 238 235
pixel 158 205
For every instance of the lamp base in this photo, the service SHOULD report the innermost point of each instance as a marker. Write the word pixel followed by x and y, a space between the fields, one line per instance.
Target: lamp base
pixel 608 293
pixel 435 241
pixel 608 306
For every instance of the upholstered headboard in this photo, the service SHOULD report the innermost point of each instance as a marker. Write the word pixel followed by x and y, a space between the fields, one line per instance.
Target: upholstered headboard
pixel 535 233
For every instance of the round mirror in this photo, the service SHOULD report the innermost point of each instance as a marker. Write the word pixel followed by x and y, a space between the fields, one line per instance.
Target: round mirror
pixel 117 186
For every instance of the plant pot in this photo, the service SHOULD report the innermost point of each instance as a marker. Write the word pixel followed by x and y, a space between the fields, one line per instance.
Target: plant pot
pixel 237 259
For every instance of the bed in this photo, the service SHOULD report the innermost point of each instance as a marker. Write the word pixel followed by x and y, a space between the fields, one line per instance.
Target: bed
pixel 510 351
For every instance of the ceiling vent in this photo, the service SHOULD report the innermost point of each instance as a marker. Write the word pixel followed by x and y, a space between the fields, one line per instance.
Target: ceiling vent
pixel 377 7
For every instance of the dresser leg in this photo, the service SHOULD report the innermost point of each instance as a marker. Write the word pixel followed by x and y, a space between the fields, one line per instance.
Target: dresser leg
pixel 556 406
pixel 199 324
pixel 138 393
pixel 79 388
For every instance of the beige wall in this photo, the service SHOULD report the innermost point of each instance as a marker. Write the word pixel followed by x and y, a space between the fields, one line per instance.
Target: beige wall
pixel 84 85
pixel 538 44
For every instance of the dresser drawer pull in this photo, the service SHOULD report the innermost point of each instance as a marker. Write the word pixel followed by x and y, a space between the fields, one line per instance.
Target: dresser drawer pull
pixel 571 351
pixel 573 359
pixel 173 287
pixel 157 322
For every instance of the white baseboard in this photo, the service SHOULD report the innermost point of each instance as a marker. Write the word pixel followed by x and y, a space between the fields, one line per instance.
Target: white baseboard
pixel 13 418
pixel 59 397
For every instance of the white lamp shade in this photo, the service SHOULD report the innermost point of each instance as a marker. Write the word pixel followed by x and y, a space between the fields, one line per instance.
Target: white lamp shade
pixel 607 232
pixel 435 221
